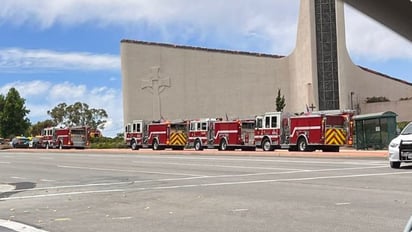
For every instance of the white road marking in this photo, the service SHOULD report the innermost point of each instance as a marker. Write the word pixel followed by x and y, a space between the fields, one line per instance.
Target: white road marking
pixel 282 160
pixel 334 160
pixel 193 178
pixel 121 218
pixel 19 227
pixel 124 170
pixel 47 180
pixel 216 165
pixel 62 194
pixel 239 210
pixel 206 185
pixel 18 178
pixel 3 162
pixel 6 188
pixel 342 203
pixel 62 219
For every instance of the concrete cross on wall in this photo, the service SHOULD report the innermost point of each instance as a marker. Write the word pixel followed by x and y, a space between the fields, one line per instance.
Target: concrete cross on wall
pixel 156 85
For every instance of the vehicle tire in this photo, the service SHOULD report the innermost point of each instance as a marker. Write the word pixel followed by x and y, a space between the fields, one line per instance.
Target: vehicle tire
pixel 302 144
pixel 395 164
pixel 198 145
pixel 266 145
pixel 223 145
pixel 156 145
pixel 133 145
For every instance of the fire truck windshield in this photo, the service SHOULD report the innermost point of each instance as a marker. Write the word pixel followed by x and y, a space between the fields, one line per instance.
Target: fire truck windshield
pixel 78 131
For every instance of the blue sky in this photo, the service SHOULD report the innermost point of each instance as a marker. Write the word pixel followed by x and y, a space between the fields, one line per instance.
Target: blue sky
pixel 68 50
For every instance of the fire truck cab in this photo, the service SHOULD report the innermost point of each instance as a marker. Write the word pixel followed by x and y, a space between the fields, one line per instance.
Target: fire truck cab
pixel 134 133
pixel 268 131
pixel 224 135
pixel 200 134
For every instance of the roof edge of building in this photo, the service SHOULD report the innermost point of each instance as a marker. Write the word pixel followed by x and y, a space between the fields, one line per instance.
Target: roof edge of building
pixel 201 48
pixel 384 75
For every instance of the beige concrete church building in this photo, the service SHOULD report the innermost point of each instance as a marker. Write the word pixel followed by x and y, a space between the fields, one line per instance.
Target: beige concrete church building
pixel 180 82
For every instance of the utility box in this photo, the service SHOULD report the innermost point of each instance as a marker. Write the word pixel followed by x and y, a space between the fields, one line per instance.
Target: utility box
pixel 374 131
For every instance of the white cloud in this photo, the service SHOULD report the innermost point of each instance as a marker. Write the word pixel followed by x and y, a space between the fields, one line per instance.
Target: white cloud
pixel 49 95
pixel 370 40
pixel 67 91
pixel 228 23
pixel 17 60
pixel 264 26
pixel 26 89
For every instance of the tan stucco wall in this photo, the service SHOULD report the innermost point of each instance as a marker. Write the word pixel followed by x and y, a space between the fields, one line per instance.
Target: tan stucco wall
pixel 404 107
pixel 215 83
pixel 203 83
pixel 302 63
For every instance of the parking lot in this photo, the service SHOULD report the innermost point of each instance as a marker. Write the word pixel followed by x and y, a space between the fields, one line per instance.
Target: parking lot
pixel 172 191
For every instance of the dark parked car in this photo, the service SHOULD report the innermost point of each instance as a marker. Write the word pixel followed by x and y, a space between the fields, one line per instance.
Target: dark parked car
pixel 20 142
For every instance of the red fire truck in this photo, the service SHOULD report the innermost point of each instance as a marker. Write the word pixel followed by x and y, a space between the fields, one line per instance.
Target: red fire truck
pixel 325 131
pixel 224 135
pixel 156 135
pixel 69 137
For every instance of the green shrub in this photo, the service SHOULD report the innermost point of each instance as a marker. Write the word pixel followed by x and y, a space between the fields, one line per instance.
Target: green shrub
pixel 106 143
pixel 376 99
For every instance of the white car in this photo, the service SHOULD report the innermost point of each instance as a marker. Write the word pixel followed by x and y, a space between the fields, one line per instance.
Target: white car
pixel 400 148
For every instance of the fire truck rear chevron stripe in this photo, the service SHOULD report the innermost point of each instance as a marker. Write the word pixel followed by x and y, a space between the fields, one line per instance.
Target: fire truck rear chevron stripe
pixel 178 138
pixel 335 136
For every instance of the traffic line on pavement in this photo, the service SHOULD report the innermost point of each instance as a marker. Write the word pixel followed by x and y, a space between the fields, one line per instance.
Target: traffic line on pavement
pixel 121 218
pixel 124 170
pixel 6 188
pixel 342 203
pixel 61 194
pixel 190 178
pixel 216 165
pixel 207 185
pixel 282 160
pixel 18 227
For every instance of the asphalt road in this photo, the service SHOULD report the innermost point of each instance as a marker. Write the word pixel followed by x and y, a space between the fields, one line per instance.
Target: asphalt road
pixel 92 191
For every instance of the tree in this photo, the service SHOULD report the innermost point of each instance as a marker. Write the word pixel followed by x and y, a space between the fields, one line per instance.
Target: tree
pixel 13 114
pixel 280 102
pixel 58 113
pixel 38 127
pixel 78 114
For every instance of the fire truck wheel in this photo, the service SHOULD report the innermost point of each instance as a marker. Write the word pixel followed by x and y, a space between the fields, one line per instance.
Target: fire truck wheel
pixel 395 164
pixel 198 145
pixel 156 145
pixel 302 145
pixel 223 145
pixel 266 145
pixel 133 145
